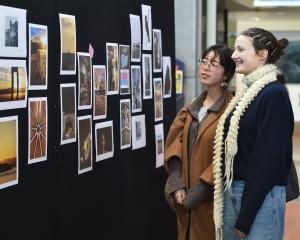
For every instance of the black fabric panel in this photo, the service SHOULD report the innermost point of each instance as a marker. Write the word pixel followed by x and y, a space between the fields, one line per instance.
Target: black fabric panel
pixel 122 197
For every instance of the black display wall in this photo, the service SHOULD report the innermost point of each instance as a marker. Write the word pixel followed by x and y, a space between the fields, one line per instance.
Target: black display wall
pixel 122 197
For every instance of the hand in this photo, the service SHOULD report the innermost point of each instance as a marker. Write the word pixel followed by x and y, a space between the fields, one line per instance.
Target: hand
pixel 179 196
pixel 241 234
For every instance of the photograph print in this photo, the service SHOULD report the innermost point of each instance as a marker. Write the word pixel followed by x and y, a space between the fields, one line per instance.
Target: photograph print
pixel 147 27
pixel 84 80
pixel 38 57
pixel 68 113
pixel 157 50
pixel 67 44
pixel 112 65
pixel 124 56
pixel 167 77
pixel 136 90
pixel 85 145
pixel 135 27
pixel 100 98
pixel 159 144
pixel 9 151
pixel 138 131
pixel 147 76
pixel 13 84
pixel 125 123
pixel 158 99
pixel 12 32
pixel 37 129
pixel 104 140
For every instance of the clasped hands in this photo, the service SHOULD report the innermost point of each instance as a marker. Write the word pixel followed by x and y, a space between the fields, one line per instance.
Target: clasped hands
pixel 179 195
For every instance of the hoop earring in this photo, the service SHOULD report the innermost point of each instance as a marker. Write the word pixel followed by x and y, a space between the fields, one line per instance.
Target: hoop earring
pixel 224 84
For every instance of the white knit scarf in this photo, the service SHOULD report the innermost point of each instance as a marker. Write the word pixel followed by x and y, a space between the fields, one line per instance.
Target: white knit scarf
pixel 253 84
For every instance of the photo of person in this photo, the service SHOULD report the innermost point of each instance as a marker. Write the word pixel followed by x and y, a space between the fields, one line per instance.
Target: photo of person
pixel 147 27
pixel 67 44
pixel 158 99
pixel 112 64
pixel 157 50
pixel 159 144
pixel 100 98
pixel 167 77
pixel 37 129
pixel 68 113
pixel 124 56
pixel 135 27
pixel 125 123
pixel 84 81
pixel 9 151
pixel 85 144
pixel 147 76
pixel 38 57
pixel 104 140
pixel 13 84
pixel 136 89
pixel 13 32
pixel 138 131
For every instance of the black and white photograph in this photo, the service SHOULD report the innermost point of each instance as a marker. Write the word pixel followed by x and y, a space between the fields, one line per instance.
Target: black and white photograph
pixel 112 65
pixel 67 44
pixel 135 27
pixel 138 131
pixel 157 51
pixel 13 32
pixel 158 99
pixel 84 81
pixel 68 113
pixel 100 98
pixel 167 77
pixel 147 27
pixel 124 56
pixel 136 90
pixel 159 144
pixel 104 140
pixel 125 123
pixel 147 76
pixel 13 84
pixel 85 144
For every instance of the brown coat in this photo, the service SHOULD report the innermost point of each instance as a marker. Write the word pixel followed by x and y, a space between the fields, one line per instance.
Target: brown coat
pixel 201 219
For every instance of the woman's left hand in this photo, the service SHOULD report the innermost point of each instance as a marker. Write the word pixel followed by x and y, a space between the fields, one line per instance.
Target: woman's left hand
pixel 241 234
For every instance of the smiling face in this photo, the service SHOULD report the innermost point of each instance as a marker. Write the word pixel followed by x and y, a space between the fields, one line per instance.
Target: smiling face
pixel 245 57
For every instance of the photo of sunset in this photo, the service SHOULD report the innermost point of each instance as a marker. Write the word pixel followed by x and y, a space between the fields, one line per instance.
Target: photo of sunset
pixel 8 151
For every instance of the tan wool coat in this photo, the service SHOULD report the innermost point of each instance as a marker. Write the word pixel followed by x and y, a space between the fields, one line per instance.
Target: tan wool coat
pixel 201 218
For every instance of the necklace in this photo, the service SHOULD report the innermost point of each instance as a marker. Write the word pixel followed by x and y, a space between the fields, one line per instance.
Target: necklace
pixel 253 84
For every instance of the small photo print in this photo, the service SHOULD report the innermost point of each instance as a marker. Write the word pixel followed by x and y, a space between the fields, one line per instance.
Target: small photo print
pixel 147 27
pixel 104 140
pixel 159 144
pixel 68 113
pixel 138 131
pixel 37 129
pixel 135 27
pixel 112 64
pixel 12 32
pixel 136 89
pixel 38 57
pixel 157 50
pixel 124 52
pixel 147 76
pixel 13 84
pixel 125 126
pixel 100 98
pixel 84 81
pixel 158 99
pixel 179 80
pixel 9 151
pixel 167 77
pixel 67 44
pixel 85 158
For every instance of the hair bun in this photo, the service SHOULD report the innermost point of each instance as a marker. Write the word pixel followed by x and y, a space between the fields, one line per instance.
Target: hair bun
pixel 282 43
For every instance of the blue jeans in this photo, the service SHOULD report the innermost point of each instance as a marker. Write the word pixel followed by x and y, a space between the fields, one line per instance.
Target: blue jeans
pixel 269 221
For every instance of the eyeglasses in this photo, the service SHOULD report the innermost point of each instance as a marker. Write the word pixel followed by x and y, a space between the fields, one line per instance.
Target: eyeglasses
pixel 209 64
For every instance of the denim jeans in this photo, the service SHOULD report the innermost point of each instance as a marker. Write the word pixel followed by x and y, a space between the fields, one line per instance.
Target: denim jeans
pixel 269 221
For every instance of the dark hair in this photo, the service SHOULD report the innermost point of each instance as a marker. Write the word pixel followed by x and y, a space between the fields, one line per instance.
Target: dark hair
pixel 224 53
pixel 263 39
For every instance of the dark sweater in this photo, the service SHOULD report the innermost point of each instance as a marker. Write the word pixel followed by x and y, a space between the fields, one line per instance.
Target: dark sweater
pixel 264 149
